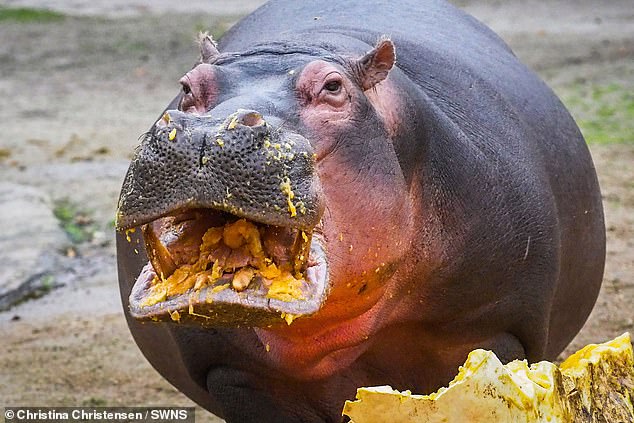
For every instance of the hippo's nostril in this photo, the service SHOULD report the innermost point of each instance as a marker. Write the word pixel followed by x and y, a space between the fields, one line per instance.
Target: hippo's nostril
pixel 250 118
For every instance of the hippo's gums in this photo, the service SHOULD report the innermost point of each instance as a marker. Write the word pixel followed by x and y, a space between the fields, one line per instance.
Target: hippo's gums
pixel 354 193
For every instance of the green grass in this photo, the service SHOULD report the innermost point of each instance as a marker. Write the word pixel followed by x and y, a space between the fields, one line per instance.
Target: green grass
pixel 27 15
pixel 605 113
pixel 131 46
pixel 94 402
pixel 77 223
pixel 46 285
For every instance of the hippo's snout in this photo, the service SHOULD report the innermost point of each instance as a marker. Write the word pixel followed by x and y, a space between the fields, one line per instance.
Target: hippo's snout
pixel 238 164
pixel 222 203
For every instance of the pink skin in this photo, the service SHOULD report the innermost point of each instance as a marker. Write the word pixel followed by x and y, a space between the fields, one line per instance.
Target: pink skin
pixel 199 86
pixel 385 99
pixel 368 234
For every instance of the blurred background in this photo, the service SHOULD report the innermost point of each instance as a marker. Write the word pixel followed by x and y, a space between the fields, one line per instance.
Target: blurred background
pixel 80 80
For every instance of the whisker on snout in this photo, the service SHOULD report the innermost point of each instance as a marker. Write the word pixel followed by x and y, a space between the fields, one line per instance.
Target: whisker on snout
pixel 280 128
pixel 144 135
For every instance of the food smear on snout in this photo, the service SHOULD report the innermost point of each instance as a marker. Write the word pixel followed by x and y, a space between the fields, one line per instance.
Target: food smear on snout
pixel 284 282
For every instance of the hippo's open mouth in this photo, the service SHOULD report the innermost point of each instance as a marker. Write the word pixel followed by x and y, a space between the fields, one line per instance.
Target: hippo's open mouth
pixel 229 210
pixel 213 268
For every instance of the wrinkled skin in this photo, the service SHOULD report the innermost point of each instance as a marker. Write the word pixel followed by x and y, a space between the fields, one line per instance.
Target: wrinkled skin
pixel 456 198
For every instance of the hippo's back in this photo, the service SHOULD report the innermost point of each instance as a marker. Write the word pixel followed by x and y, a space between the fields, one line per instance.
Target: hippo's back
pixel 411 20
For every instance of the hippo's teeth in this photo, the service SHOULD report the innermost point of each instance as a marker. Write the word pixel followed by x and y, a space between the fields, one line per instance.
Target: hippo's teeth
pixel 159 255
pixel 199 247
pixel 174 241
pixel 213 298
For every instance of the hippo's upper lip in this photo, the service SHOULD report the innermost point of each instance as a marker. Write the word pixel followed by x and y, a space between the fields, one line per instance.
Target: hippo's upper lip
pixel 210 268
pixel 199 162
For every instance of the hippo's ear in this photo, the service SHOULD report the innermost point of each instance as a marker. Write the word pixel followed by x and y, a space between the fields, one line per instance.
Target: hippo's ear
pixel 376 64
pixel 208 50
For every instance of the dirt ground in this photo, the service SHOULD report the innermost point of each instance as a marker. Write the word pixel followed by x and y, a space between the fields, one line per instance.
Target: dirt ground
pixel 79 87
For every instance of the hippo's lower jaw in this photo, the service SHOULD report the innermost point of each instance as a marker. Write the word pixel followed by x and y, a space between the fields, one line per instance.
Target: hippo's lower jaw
pixel 209 268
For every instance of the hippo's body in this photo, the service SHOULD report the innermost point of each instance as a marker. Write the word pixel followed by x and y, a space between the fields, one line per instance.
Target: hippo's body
pixel 453 194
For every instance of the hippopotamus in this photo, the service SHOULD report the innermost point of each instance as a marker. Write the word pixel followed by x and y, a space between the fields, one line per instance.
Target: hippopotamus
pixel 354 193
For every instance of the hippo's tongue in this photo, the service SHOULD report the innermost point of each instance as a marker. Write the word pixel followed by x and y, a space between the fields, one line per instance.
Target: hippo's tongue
pixel 212 268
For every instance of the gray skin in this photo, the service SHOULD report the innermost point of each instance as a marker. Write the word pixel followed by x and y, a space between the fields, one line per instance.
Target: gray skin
pixel 458 205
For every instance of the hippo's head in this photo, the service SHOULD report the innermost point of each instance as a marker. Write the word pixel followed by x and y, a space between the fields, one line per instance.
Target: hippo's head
pixel 274 197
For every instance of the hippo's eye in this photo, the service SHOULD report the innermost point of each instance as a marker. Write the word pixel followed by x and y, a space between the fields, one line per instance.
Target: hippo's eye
pixel 333 86
pixel 187 102
pixel 331 90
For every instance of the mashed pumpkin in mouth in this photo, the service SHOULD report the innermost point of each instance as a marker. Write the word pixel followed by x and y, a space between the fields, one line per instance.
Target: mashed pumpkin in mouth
pixel 235 255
